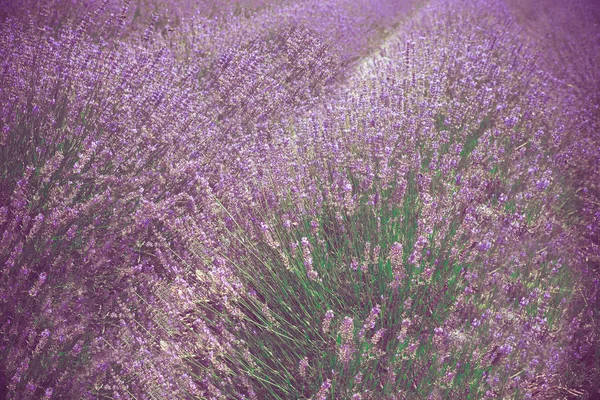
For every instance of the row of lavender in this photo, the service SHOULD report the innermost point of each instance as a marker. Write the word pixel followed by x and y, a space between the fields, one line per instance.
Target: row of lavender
pixel 221 209
pixel 451 139
pixel 567 39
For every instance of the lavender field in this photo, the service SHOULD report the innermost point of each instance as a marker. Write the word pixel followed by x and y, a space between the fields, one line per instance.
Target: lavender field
pixel 300 199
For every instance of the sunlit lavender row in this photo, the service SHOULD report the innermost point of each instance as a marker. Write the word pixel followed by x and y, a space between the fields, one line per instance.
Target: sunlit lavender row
pixel 338 199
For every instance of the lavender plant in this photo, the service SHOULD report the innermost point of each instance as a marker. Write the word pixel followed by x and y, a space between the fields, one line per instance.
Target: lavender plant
pixel 81 155
pixel 360 204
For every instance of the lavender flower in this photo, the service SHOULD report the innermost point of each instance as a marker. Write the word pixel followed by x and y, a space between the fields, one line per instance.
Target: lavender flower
pixel 327 321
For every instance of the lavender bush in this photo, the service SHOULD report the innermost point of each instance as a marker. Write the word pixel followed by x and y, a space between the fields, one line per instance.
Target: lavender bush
pixel 280 200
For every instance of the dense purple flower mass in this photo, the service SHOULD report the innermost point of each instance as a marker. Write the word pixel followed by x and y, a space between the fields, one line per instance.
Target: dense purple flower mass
pixel 251 199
